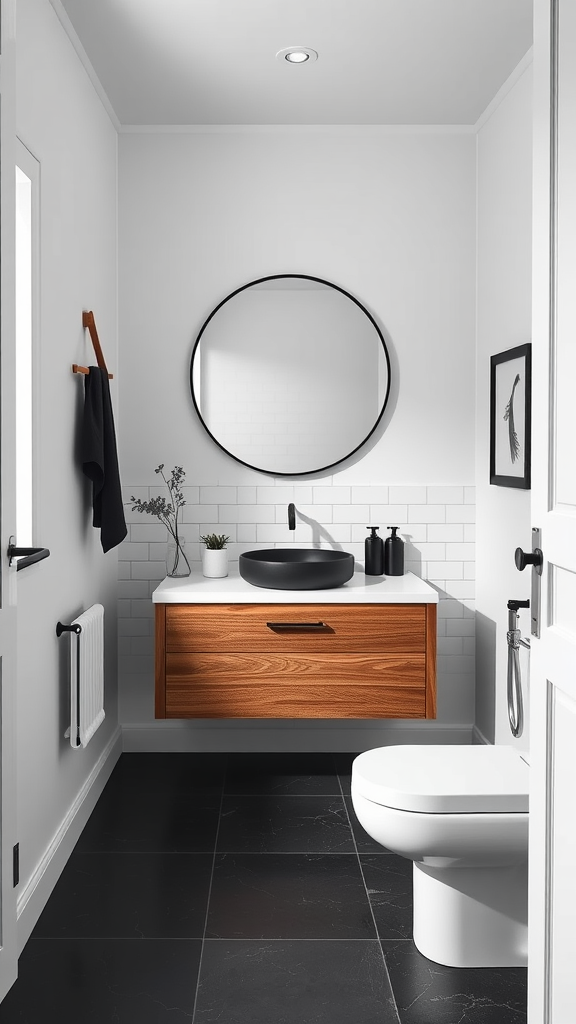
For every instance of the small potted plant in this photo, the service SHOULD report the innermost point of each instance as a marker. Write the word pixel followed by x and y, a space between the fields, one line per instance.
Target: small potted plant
pixel 168 512
pixel 215 555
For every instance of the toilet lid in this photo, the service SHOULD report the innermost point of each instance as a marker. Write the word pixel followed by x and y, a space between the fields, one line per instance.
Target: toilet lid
pixel 443 779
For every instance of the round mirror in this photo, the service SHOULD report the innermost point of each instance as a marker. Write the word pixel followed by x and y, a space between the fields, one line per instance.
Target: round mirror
pixel 290 374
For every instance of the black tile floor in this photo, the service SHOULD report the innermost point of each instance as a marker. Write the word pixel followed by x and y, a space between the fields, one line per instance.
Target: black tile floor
pixel 239 889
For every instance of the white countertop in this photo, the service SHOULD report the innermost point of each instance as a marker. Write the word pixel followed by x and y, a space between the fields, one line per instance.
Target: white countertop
pixel 232 589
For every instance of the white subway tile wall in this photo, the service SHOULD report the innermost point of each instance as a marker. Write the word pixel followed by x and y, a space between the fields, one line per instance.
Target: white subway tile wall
pixel 436 524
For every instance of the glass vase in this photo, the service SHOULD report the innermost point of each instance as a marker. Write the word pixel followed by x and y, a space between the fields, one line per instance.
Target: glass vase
pixel 177 563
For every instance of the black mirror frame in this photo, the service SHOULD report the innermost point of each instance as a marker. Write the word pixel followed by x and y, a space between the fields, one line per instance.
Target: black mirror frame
pixel 329 284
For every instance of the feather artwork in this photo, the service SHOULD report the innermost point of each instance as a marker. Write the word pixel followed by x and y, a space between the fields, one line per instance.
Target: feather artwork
pixel 509 415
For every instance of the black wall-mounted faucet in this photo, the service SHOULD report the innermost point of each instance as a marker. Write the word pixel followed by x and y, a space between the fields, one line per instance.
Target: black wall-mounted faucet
pixel 291 516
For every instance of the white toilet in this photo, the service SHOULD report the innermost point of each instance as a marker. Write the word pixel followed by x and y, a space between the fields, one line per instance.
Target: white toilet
pixel 461 814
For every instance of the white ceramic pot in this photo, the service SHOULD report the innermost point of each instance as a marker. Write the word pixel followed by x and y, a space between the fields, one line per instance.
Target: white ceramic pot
pixel 215 562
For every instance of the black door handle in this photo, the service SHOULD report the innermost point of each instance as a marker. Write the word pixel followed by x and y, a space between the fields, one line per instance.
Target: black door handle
pixel 524 558
pixel 26 556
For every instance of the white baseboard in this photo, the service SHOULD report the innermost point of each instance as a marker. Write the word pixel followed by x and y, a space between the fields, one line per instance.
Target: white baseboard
pixel 251 735
pixel 479 737
pixel 35 893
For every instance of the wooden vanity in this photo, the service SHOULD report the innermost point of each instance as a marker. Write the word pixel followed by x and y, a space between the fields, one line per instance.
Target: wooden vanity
pixel 225 649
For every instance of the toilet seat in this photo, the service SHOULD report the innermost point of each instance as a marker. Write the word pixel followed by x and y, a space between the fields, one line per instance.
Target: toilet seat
pixel 443 779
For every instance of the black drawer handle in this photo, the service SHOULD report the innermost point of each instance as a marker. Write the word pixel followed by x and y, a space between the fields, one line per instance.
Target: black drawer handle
pixel 297 625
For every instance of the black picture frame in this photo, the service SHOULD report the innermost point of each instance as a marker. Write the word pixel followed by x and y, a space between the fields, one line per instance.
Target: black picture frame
pixel 511 417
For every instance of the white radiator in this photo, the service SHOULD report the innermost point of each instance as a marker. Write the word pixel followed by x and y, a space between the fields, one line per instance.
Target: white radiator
pixel 86 675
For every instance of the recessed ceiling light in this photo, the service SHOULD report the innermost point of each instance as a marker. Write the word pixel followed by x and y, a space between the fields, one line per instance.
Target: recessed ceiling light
pixel 297 54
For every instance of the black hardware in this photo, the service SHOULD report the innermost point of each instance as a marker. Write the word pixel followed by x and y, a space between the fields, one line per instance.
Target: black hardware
pixel 524 558
pixel 27 556
pixel 297 625
pixel 74 628
pixel 513 606
pixel 291 516
pixel 15 865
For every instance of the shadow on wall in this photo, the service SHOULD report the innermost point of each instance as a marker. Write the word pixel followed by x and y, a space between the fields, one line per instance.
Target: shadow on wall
pixel 84 484
pixel 412 556
pixel 486 675
pixel 319 533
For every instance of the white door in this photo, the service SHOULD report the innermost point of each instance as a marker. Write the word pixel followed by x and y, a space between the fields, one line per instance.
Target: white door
pixel 552 909
pixel 8 939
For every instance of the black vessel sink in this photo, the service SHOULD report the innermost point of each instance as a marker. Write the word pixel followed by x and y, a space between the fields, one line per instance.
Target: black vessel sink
pixel 296 568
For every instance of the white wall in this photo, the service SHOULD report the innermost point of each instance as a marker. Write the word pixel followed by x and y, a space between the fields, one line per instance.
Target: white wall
pixel 61 121
pixel 388 216
pixel 503 321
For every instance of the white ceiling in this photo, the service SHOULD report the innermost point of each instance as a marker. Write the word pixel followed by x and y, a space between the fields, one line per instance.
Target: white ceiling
pixel 379 61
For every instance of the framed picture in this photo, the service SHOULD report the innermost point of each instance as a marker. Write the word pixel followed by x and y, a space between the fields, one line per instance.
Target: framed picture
pixel 510 407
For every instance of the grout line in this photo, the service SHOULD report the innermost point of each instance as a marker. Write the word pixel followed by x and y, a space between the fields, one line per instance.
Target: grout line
pixel 272 794
pixel 209 890
pixel 294 853
pixel 234 853
pixel 192 938
pixel 386 971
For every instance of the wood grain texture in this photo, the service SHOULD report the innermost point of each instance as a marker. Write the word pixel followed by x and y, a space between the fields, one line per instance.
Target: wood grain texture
pixel 295 686
pixel 431 630
pixel 339 670
pixel 350 628
pixel 267 700
pixel 222 661
pixel 160 662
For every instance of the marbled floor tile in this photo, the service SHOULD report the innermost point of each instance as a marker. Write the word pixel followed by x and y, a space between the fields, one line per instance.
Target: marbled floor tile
pixel 364 842
pixel 389 885
pixel 344 769
pixel 129 895
pixel 284 824
pixel 294 983
pixel 93 981
pixel 288 896
pixel 185 773
pixel 428 993
pixel 282 773
pixel 148 821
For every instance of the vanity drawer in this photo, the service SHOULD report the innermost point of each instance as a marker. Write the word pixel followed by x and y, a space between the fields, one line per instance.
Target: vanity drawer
pixel 294 686
pixel 346 628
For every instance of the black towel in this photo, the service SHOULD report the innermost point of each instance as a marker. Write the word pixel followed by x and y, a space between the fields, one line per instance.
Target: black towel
pixel 100 459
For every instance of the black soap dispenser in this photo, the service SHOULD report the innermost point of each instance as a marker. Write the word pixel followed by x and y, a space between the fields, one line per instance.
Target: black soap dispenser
pixel 373 553
pixel 394 554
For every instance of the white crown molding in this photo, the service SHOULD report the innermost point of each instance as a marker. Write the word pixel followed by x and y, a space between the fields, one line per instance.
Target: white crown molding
pixel 504 89
pixel 368 130
pixel 85 60
pixel 282 129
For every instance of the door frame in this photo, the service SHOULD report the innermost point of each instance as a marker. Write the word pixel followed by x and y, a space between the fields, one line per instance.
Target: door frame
pixel 553 655
pixel 8 652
